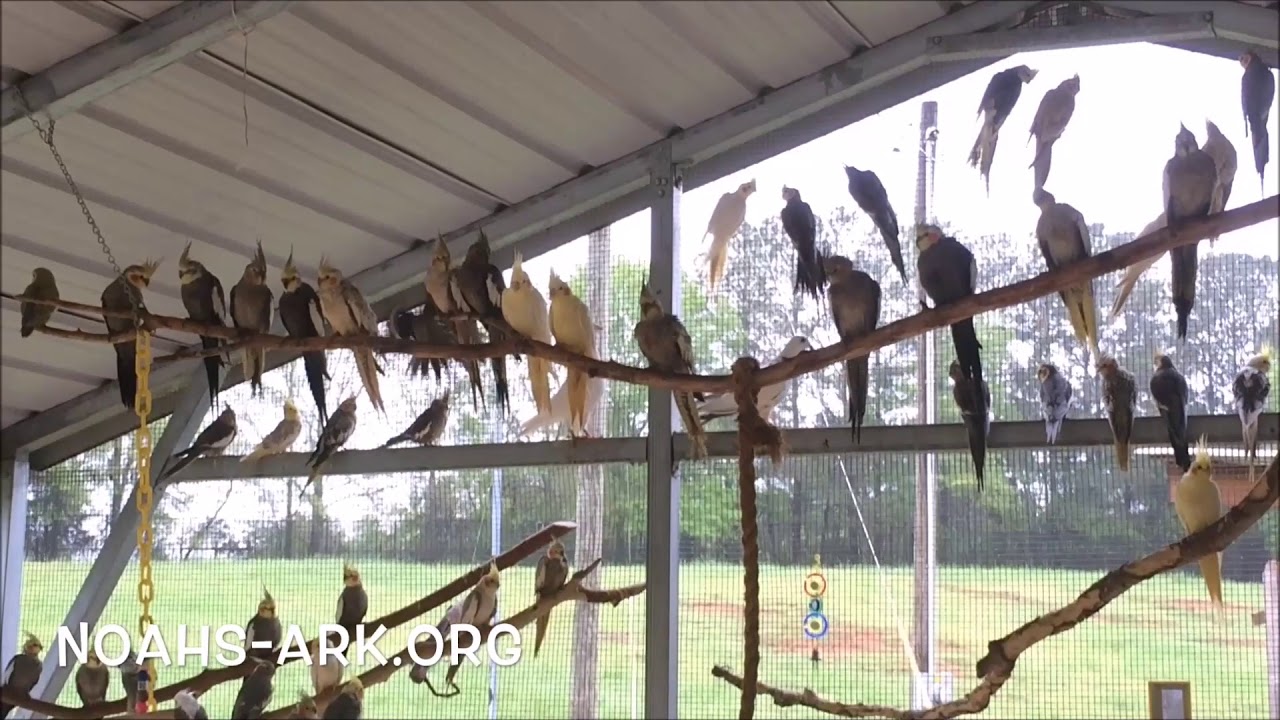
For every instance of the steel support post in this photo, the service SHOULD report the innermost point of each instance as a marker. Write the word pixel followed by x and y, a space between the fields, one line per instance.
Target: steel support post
pixel 13 533
pixel 662 560
pixel 118 548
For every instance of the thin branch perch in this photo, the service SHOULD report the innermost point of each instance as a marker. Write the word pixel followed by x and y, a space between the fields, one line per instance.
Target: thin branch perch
pixel 997 666
pixel 1148 246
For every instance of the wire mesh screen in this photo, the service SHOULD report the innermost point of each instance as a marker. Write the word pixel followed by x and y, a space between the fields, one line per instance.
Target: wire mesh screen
pixel 1017 551
pixel 219 543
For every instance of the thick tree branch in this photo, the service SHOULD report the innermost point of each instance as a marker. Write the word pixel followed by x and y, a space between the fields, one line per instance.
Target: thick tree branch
pixel 997 666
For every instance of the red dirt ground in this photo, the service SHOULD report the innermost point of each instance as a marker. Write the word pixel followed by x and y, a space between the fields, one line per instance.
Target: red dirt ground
pixel 1007 595
pixel 715 608
pixel 1205 606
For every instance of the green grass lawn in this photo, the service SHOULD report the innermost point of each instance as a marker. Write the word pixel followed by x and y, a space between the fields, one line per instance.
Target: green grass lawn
pixel 1161 631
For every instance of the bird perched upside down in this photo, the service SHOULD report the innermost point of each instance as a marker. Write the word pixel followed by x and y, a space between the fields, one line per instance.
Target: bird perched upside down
pixel 212 441
pixel 1064 239
pixel 664 342
pixel 802 228
pixel 281 437
pixel 572 327
pixel 44 287
pixel 552 573
pixel 122 295
pixel 997 102
pixel 205 303
pixel 1189 180
pixel 251 310
pixel 302 318
pixel 726 219
pixel 855 307
pixel 427 428
pixel 1198 502
pixel 525 310
pixel 1257 92
pixel 1250 390
pixel 866 189
pixel 349 314
pixel 1169 392
pixel 337 431
pixel 1051 120
pixel 1120 399
pixel 1055 400
pixel 23 671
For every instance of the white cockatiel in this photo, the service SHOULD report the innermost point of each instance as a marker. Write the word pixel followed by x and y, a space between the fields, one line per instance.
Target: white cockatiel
pixel 558 414
pixel 525 310
pixel 572 327
pixel 1134 272
pixel 723 405
pixel 1218 147
pixel 348 313
pixel 730 212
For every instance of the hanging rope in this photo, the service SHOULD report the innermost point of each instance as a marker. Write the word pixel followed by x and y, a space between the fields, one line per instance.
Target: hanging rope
pixel 142 401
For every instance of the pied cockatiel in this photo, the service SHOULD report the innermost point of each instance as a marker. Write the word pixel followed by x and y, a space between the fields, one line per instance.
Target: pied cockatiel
pixel 281 437
pixel 1218 147
pixel 868 192
pixel 1064 239
pixel 429 326
pixel 997 102
pixel 122 295
pixel 1134 272
pixel 725 220
pixel 338 429
pixel 1170 394
pixel 186 706
pixel 525 310
pixel 212 440
pixel 973 400
pixel 665 343
pixel 572 327
pixel 205 303
pixel 427 428
pixel 42 287
pixel 1249 391
pixel 466 331
pixel 724 405
pixel 1189 180
pixel 349 314
pixel 252 309
pixel 1051 120
pixel 1257 91
pixel 302 317
pixel 1198 502
pixel 802 228
pixel 477 287
pixel 855 307
pixel 1120 400
pixel 1055 400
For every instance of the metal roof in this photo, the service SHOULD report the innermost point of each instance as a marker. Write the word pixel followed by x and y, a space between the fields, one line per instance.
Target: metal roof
pixel 372 125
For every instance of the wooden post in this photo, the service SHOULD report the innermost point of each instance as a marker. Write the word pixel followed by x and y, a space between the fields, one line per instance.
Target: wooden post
pixel 1271 606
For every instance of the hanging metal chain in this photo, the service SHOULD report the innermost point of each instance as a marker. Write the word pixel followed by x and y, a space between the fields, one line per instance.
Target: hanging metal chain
pixel 142 400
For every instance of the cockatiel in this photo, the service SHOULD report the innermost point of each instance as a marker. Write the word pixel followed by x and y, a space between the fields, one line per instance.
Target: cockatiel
pixel 1120 400
pixel 337 431
pixel 481 603
pixel 553 572
pixel 974 413
pixel 725 221
pixel 327 670
pixel 349 314
pixel 1055 400
pixel 255 691
pixel 477 288
pixel 302 318
pixel 439 283
pixel 353 601
pixel 525 310
pixel 92 679
pixel 128 681
pixel 251 310
pixel 427 428
pixel 349 704
pixel 23 671
pixel 1170 394
pixel 572 327
pixel 452 615
pixel 723 405
pixel 1250 390
pixel 559 414
pixel 1218 147
pixel 213 440
pixel 997 102
pixel 665 343
pixel 121 296
pixel 1134 272
pixel 802 228
pixel 1257 91
pixel 1189 180
pixel 1051 120
pixel 866 189
pixel 305 709
pixel 1198 502
pixel 855 307
pixel 281 437
pixel 187 707
pixel 428 326
pixel 948 272
pixel 263 627
pixel 44 287
pixel 205 303
pixel 1064 239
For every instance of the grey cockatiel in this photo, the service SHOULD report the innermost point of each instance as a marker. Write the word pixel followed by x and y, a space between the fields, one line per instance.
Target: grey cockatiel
pixel 997 102
pixel 353 601
pixel 264 627
pixel 1257 91
pixel 477 287
pixel 205 303
pixel 973 399
pixel 1064 239
pixel 349 314
pixel 121 296
pixel 1249 391
pixel 1055 400
pixel 1189 180
pixel 302 318
pixel 255 691
pixel 726 219
pixel 866 189
pixel 337 431
pixel 1120 400
pixel 855 307
pixel 92 679
pixel 1169 392
pixel 723 405
pixel 212 440
pixel 1134 272
pixel 281 437
pixel 427 428
pixel 665 343
pixel 429 325
pixel 251 309
pixel 802 229
pixel 44 287
pixel 948 273
pixel 23 671
pixel 552 573
pixel 1051 120
pixel 349 704
pixel 187 707
pixel 1218 147
pixel 439 283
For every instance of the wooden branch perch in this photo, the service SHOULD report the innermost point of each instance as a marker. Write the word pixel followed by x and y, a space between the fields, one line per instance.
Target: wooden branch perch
pixel 212 677
pixel 997 666
pixel 1140 249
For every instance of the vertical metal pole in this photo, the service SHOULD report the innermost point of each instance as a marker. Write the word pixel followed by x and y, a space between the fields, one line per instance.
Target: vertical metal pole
pixel 662 562
pixel 495 543
pixel 13 532
pixel 925 576
pixel 121 542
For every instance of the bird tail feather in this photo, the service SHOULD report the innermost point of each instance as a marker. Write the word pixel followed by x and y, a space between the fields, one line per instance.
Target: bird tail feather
pixel 1051 428
pixel 126 373
pixel 540 631
pixel 540 383
pixel 717 256
pixel 395 440
pixel 179 463
pixel 477 385
pixel 258 452
pixel 977 446
pixel 1084 315
pixel 1211 568
pixel 577 402
pixel 965 337
pixel 1184 284
pixel 501 389
pixel 857 370
pixel 211 366
pixel 1122 454
pixel 1125 287
pixel 1249 431
pixel 367 366
pixel 1042 161
pixel 692 424
pixel 1261 149
pixel 316 366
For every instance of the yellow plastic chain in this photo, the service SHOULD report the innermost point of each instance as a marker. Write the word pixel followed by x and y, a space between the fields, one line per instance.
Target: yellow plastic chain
pixel 142 447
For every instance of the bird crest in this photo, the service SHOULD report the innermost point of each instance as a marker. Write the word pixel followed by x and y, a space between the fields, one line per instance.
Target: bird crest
pixel 556 285
pixel 290 410
pixel 290 271
pixel 1262 361
pixel 748 187
pixel 442 251
pixel 184 260
pixel 517 269
pixel 1026 74
pixel 1107 364
pixel 348 405
pixel 146 269
pixel 1211 129
pixel 325 266
pixel 1247 59
pixel 493 576
pixel 555 549
pixel 649 302
pixel 259 262
pixel 350 575
pixel 955 371
pixel 354 687
pixel 1162 360
pixel 1185 141
pixel 1045 371
pixel 789 193
pixel 1071 84
pixel 1202 461
pixel 32 645
pixel 267 605
pixel 479 250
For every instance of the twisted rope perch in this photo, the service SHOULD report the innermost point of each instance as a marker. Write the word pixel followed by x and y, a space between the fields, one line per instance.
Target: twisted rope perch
pixel 996 667
pixel 1128 254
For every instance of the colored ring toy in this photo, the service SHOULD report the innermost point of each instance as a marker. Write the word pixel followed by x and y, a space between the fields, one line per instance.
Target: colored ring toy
pixel 815 626
pixel 815 585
